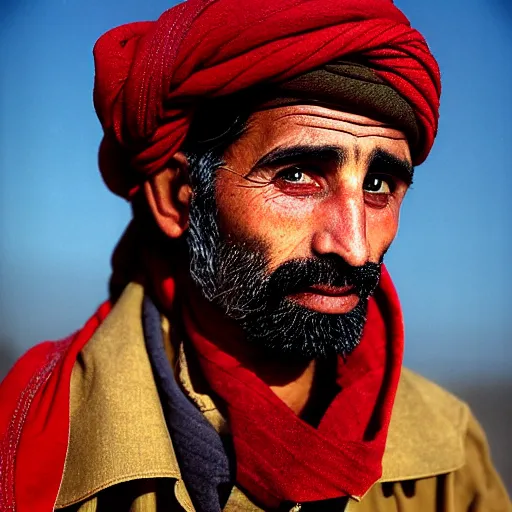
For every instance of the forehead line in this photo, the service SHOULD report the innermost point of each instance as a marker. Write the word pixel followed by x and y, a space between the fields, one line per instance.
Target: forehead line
pixel 308 114
pixel 278 123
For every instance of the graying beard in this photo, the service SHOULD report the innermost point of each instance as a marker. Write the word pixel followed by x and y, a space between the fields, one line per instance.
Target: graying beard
pixel 217 268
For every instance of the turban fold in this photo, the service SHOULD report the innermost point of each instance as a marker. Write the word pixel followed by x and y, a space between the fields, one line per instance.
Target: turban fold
pixel 150 76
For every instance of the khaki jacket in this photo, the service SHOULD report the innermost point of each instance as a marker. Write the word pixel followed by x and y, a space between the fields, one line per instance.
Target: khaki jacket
pixel 120 456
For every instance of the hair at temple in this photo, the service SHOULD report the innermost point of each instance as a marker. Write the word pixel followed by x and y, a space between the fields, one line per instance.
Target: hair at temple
pixel 216 125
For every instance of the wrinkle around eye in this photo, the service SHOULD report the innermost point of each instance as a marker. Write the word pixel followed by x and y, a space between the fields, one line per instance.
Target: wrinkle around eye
pixel 251 182
pixel 277 180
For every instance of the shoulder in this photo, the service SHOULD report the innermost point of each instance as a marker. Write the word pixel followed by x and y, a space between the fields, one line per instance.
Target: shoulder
pixel 34 420
pixel 38 364
pixel 32 427
pixel 433 433
pixel 26 377
pixel 427 430
pixel 423 397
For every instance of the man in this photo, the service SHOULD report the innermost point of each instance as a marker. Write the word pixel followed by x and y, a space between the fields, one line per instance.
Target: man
pixel 249 357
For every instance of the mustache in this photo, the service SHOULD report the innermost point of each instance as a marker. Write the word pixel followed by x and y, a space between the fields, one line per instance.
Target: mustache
pixel 296 275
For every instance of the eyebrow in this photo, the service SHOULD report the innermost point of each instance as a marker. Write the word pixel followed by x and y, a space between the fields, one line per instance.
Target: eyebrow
pixel 384 162
pixel 293 154
pixel 379 161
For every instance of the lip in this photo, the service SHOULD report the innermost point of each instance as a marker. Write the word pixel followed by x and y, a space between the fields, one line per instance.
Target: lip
pixel 327 299
pixel 330 291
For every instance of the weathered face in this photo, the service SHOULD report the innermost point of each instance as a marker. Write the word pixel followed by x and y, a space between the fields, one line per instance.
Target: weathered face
pixel 307 203
pixel 311 181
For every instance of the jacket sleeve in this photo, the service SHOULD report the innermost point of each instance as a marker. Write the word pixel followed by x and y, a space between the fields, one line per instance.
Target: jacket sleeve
pixel 478 478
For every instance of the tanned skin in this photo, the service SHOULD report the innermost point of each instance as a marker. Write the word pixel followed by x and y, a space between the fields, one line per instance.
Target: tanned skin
pixel 309 181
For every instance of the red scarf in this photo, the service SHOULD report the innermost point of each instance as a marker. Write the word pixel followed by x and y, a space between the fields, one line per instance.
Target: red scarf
pixel 279 456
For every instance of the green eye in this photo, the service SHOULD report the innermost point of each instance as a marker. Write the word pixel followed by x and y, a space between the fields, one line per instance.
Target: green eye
pixel 291 175
pixel 377 185
pixel 296 181
pixel 294 175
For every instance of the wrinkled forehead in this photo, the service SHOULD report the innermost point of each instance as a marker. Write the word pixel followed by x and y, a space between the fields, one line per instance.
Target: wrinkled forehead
pixel 347 97
pixel 319 127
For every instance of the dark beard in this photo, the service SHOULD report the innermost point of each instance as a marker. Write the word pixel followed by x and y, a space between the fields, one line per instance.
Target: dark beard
pixel 233 276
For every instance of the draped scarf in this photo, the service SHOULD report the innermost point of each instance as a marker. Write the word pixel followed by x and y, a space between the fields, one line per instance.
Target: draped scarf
pixel 281 458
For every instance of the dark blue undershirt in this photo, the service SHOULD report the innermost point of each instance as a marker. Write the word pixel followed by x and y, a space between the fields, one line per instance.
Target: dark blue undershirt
pixel 202 458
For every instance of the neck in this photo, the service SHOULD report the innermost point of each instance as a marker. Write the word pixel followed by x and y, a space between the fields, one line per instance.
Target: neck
pixel 297 391
pixel 294 383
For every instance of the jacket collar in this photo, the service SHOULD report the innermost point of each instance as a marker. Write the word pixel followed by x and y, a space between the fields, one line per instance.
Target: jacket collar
pixel 112 385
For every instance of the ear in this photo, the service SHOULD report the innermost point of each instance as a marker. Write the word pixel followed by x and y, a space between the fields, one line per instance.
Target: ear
pixel 168 194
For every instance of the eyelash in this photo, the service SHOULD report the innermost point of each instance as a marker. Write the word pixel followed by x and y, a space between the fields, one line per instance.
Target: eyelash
pixel 279 177
pixel 389 179
pixel 298 168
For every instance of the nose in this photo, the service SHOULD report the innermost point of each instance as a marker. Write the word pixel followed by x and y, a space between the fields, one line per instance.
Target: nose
pixel 341 229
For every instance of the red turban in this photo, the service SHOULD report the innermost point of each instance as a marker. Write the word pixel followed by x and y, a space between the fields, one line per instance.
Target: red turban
pixel 150 75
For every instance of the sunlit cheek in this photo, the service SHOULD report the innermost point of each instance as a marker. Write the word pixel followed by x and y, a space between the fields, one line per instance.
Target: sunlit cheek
pixel 381 229
pixel 294 207
pixel 284 222
pixel 279 220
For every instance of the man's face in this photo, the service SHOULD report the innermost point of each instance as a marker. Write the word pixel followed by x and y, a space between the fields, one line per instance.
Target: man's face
pixel 307 203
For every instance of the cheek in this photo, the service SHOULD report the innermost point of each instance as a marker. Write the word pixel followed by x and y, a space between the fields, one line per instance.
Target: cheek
pixel 258 213
pixel 381 229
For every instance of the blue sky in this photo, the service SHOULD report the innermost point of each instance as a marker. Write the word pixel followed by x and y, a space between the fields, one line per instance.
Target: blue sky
pixel 58 223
